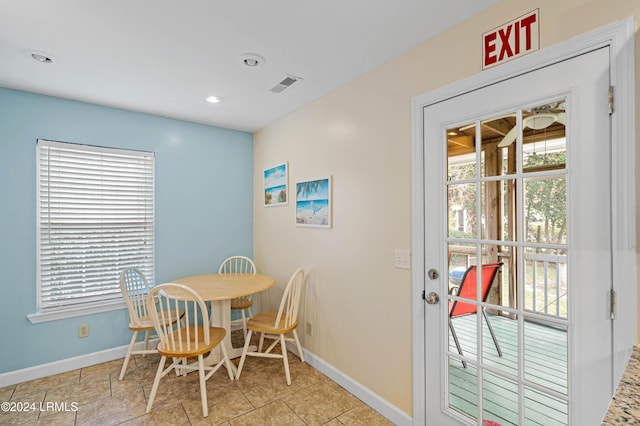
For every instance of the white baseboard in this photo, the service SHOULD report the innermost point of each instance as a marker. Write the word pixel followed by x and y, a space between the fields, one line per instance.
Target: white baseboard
pixel 381 405
pixel 62 366
pixel 81 361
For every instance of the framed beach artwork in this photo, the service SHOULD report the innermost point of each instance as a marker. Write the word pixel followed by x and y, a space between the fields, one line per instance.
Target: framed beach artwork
pixel 313 203
pixel 276 180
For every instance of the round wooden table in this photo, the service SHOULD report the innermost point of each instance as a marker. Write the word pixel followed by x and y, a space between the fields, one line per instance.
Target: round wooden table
pixel 219 289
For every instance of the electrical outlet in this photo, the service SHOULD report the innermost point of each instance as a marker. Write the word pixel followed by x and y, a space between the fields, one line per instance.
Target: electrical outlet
pixel 83 330
pixel 308 328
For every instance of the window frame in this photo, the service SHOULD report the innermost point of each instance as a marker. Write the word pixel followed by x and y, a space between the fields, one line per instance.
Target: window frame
pixel 96 299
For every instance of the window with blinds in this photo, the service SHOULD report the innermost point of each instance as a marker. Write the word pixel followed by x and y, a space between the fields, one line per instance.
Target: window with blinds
pixel 95 218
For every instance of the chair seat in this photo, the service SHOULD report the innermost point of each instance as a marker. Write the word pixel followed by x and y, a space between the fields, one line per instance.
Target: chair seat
pixel 241 303
pixel 144 322
pixel 188 337
pixel 264 323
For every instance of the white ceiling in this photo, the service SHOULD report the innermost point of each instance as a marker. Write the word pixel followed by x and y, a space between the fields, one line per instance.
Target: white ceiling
pixel 165 57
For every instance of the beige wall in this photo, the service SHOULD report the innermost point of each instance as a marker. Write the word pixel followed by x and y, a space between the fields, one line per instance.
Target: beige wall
pixel 361 134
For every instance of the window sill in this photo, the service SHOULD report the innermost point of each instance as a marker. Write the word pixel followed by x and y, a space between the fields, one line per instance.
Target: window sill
pixel 40 317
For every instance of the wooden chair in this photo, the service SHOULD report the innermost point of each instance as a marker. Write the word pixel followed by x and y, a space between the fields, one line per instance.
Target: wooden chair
pixel 240 265
pixel 191 337
pixel 275 325
pixel 468 290
pixel 135 288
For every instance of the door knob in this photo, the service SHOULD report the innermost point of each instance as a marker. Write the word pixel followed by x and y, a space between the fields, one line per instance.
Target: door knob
pixel 432 298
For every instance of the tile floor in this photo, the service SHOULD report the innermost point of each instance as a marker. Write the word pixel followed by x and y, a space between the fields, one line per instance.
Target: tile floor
pixel 94 396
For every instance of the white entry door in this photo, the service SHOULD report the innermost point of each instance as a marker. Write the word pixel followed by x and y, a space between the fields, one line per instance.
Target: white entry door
pixel 517 182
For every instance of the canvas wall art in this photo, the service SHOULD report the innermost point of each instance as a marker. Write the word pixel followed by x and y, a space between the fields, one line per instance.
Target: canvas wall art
pixel 313 203
pixel 275 185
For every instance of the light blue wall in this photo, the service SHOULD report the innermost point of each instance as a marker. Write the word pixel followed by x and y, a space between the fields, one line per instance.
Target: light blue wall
pixel 204 211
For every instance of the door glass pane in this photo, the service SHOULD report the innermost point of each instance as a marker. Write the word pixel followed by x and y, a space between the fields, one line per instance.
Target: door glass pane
pixel 491 210
pixel 507 287
pixel 543 409
pixel 461 256
pixel 508 223
pixel 544 143
pixel 501 353
pixel 461 152
pixel 545 155
pixel 492 133
pixel 492 267
pixel 545 286
pixel 463 388
pixel 508 158
pixel 545 205
pixel 462 279
pixel 545 354
pixel 463 332
pixel 485 226
pixel 462 210
pixel 500 400
pixel 499 333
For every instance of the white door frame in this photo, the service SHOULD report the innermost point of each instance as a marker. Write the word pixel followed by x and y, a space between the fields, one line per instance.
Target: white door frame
pixel 620 37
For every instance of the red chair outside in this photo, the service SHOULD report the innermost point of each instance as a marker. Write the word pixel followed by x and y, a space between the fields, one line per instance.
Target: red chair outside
pixel 468 290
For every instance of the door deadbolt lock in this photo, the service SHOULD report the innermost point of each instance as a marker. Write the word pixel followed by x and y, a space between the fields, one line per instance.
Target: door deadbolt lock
pixel 432 298
pixel 433 274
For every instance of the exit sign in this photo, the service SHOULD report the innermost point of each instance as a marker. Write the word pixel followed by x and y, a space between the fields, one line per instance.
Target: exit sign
pixel 511 40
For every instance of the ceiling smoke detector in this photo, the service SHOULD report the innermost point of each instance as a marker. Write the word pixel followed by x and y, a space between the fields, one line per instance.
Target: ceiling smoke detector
pixel 251 60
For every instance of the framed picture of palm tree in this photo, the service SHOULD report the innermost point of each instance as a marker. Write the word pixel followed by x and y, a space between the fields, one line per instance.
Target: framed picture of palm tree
pixel 313 203
pixel 276 183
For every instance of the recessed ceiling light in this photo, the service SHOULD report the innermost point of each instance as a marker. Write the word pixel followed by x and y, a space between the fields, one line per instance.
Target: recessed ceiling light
pixel 41 58
pixel 214 99
pixel 251 60
pixel 37 55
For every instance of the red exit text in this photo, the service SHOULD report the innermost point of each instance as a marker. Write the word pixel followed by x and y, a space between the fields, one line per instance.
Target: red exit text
pixel 511 40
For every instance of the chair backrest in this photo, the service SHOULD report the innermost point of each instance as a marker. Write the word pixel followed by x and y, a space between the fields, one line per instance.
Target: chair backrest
pixel 165 304
pixel 468 288
pixel 237 265
pixel 290 302
pixel 135 288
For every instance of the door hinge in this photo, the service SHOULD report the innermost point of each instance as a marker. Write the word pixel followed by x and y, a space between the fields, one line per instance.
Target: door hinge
pixel 612 304
pixel 610 99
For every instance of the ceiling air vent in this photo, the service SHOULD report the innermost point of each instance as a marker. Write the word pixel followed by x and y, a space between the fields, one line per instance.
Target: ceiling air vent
pixel 285 84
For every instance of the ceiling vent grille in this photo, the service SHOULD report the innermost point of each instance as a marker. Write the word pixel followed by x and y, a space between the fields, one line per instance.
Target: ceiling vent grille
pixel 287 82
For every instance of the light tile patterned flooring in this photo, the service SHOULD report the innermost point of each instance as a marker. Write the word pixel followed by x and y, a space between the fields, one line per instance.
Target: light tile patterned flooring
pixel 260 397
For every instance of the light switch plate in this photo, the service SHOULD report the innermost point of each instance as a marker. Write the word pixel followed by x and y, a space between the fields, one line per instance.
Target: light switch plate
pixel 402 259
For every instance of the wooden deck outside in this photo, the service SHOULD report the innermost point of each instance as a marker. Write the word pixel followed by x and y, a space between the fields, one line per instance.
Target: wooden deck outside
pixel 545 364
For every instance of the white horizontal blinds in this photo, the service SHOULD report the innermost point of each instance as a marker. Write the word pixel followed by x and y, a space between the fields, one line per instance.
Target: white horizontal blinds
pixel 95 218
